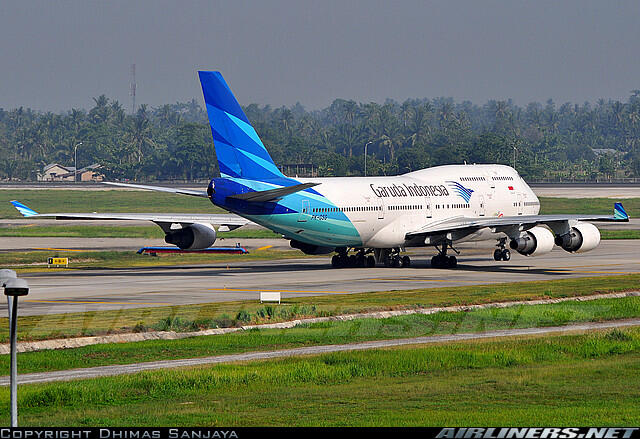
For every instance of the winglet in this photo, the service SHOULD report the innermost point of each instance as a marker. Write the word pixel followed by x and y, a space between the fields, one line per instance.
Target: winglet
pixel 24 210
pixel 619 213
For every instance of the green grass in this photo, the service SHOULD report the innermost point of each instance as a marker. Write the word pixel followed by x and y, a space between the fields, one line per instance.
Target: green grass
pixel 619 234
pixel 54 200
pixel 35 261
pixel 148 232
pixel 586 379
pixel 154 232
pixel 57 200
pixel 126 320
pixel 325 333
pixel 603 206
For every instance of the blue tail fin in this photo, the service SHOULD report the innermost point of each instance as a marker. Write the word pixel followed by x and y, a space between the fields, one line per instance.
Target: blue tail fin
pixel 239 150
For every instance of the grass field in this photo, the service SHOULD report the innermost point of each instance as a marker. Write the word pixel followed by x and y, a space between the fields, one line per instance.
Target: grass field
pixel 53 200
pixel 149 232
pixel 331 332
pixel 603 206
pixel 154 232
pixel 586 379
pixel 190 317
pixel 33 261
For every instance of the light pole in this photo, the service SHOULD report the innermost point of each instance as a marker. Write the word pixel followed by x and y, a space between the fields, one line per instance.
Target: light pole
pixel 5 275
pixel 365 157
pixel 14 288
pixel 75 161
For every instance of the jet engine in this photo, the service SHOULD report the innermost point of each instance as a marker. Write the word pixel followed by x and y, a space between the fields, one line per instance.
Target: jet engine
pixel 310 249
pixel 581 238
pixel 534 242
pixel 196 236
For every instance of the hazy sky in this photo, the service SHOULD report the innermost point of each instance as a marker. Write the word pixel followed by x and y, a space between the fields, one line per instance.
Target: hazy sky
pixel 55 55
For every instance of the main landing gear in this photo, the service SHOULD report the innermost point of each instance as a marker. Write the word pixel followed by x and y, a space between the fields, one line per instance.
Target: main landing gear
pixel 363 259
pixel 441 260
pixel 502 253
pixel 360 259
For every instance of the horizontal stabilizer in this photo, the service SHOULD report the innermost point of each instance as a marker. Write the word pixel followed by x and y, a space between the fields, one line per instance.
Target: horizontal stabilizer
pixel 619 213
pixel 24 210
pixel 272 194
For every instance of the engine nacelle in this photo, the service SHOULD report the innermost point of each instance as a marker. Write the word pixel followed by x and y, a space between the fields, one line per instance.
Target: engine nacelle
pixel 534 242
pixel 193 237
pixel 310 249
pixel 581 238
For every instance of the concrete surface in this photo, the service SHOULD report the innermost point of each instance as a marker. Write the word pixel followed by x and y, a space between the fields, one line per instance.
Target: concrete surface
pixel 84 290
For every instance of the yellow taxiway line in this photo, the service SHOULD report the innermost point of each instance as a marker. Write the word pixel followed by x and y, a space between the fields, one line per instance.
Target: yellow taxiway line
pixel 100 303
pixel 60 249
pixel 418 280
pixel 276 291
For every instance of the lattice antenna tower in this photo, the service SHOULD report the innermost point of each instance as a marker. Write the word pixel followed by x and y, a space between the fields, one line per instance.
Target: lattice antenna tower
pixel 132 89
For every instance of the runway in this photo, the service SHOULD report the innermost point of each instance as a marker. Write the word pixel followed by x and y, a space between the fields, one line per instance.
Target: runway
pixel 85 290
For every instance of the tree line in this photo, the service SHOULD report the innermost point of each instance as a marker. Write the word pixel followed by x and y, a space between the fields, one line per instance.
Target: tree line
pixel 173 141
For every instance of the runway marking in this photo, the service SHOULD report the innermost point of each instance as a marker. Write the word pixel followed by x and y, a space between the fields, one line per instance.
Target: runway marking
pixel 277 291
pixel 264 248
pixel 417 280
pixel 99 303
pixel 591 272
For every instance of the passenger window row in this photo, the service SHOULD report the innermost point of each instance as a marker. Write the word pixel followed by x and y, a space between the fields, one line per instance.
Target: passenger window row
pixel 346 209
pixel 453 206
pixel 409 207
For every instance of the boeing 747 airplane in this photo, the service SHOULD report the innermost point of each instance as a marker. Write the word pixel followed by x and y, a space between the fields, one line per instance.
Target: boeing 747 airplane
pixel 363 220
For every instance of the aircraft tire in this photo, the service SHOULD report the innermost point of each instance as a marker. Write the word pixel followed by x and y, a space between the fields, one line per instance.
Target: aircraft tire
pixel 406 262
pixel 371 262
pixel 506 255
pixel 497 255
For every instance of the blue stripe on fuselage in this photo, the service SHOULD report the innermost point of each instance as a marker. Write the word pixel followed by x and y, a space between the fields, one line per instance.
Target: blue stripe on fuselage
pixel 283 215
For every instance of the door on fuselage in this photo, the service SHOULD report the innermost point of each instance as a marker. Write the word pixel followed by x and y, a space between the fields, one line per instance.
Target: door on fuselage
pixel 481 206
pixel 520 200
pixel 427 207
pixel 304 212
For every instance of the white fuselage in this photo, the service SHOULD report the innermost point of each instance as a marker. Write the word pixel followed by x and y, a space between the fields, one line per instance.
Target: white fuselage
pixel 384 209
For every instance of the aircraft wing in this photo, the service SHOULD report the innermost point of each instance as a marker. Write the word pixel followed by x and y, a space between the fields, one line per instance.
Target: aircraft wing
pixel 229 220
pixel 523 222
pixel 160 189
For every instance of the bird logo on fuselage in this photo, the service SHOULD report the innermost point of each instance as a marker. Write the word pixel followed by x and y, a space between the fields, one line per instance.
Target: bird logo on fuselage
pixel 462 191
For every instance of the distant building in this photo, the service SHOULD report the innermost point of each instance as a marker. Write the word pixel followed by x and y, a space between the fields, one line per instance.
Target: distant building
pixel 57 172
pixel 300 169
pixel 605 151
